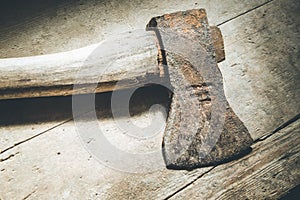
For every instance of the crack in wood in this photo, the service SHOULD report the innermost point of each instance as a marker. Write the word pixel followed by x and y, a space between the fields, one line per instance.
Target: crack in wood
pixel 34 136
pixel 290 154
pixel 9 157
pixel 241 14
pixel 282 126
pixel 188 184
pixel 27 196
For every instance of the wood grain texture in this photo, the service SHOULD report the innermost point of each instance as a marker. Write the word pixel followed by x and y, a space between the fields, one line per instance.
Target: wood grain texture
pixel 261 72
pixel 123 61
pixel 56 74
pixel 270 170
pixel 59 154
pixel 59 26
pixel 261 80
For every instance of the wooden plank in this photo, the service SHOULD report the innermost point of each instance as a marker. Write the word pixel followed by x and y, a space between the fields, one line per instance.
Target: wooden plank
pixel 21 119
pixel 12 133
pixel 65 159
pixel 29 29
pixel 261 70
pixel 76 175
pixel 269 171
pixel 61 167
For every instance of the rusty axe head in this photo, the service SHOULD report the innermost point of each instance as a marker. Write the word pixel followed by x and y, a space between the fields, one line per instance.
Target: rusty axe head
pixel 202 129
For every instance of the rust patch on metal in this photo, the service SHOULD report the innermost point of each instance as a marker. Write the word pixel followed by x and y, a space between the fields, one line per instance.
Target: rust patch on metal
pixel 218 43
pixel 193 73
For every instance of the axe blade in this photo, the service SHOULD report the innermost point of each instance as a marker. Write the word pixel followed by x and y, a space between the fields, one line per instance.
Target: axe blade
pixel 202 129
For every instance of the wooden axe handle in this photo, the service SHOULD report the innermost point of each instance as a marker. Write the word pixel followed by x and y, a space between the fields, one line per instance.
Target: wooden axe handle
pixel 56 74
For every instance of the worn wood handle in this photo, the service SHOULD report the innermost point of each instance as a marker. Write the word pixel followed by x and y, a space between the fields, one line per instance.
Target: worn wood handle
pixel 55 74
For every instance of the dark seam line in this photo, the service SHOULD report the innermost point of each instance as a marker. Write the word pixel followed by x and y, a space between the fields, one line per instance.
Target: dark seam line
pixel 282 126
pixel 7 158
pixel 28 195
pixel 239 15
pixel 32 137
pixel 185 186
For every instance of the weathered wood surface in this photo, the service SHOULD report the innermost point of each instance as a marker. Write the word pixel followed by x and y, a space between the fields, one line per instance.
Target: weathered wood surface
pixel 55 74
pixel 261 76
pixel 59 26
pixel 268 171
pixel 261 72
pixel 122 61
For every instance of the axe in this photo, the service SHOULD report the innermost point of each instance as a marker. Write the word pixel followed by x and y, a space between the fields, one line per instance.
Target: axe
pixel 179 49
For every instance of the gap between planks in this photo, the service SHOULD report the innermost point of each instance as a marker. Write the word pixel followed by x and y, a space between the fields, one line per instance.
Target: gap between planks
pixel 281 127
pixel 239 15
pixel 58 125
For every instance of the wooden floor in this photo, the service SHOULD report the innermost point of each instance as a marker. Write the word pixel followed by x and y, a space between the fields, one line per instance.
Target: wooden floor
pixel 41 155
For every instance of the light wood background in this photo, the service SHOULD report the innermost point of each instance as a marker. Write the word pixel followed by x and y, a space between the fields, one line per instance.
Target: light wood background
pixel 41 153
